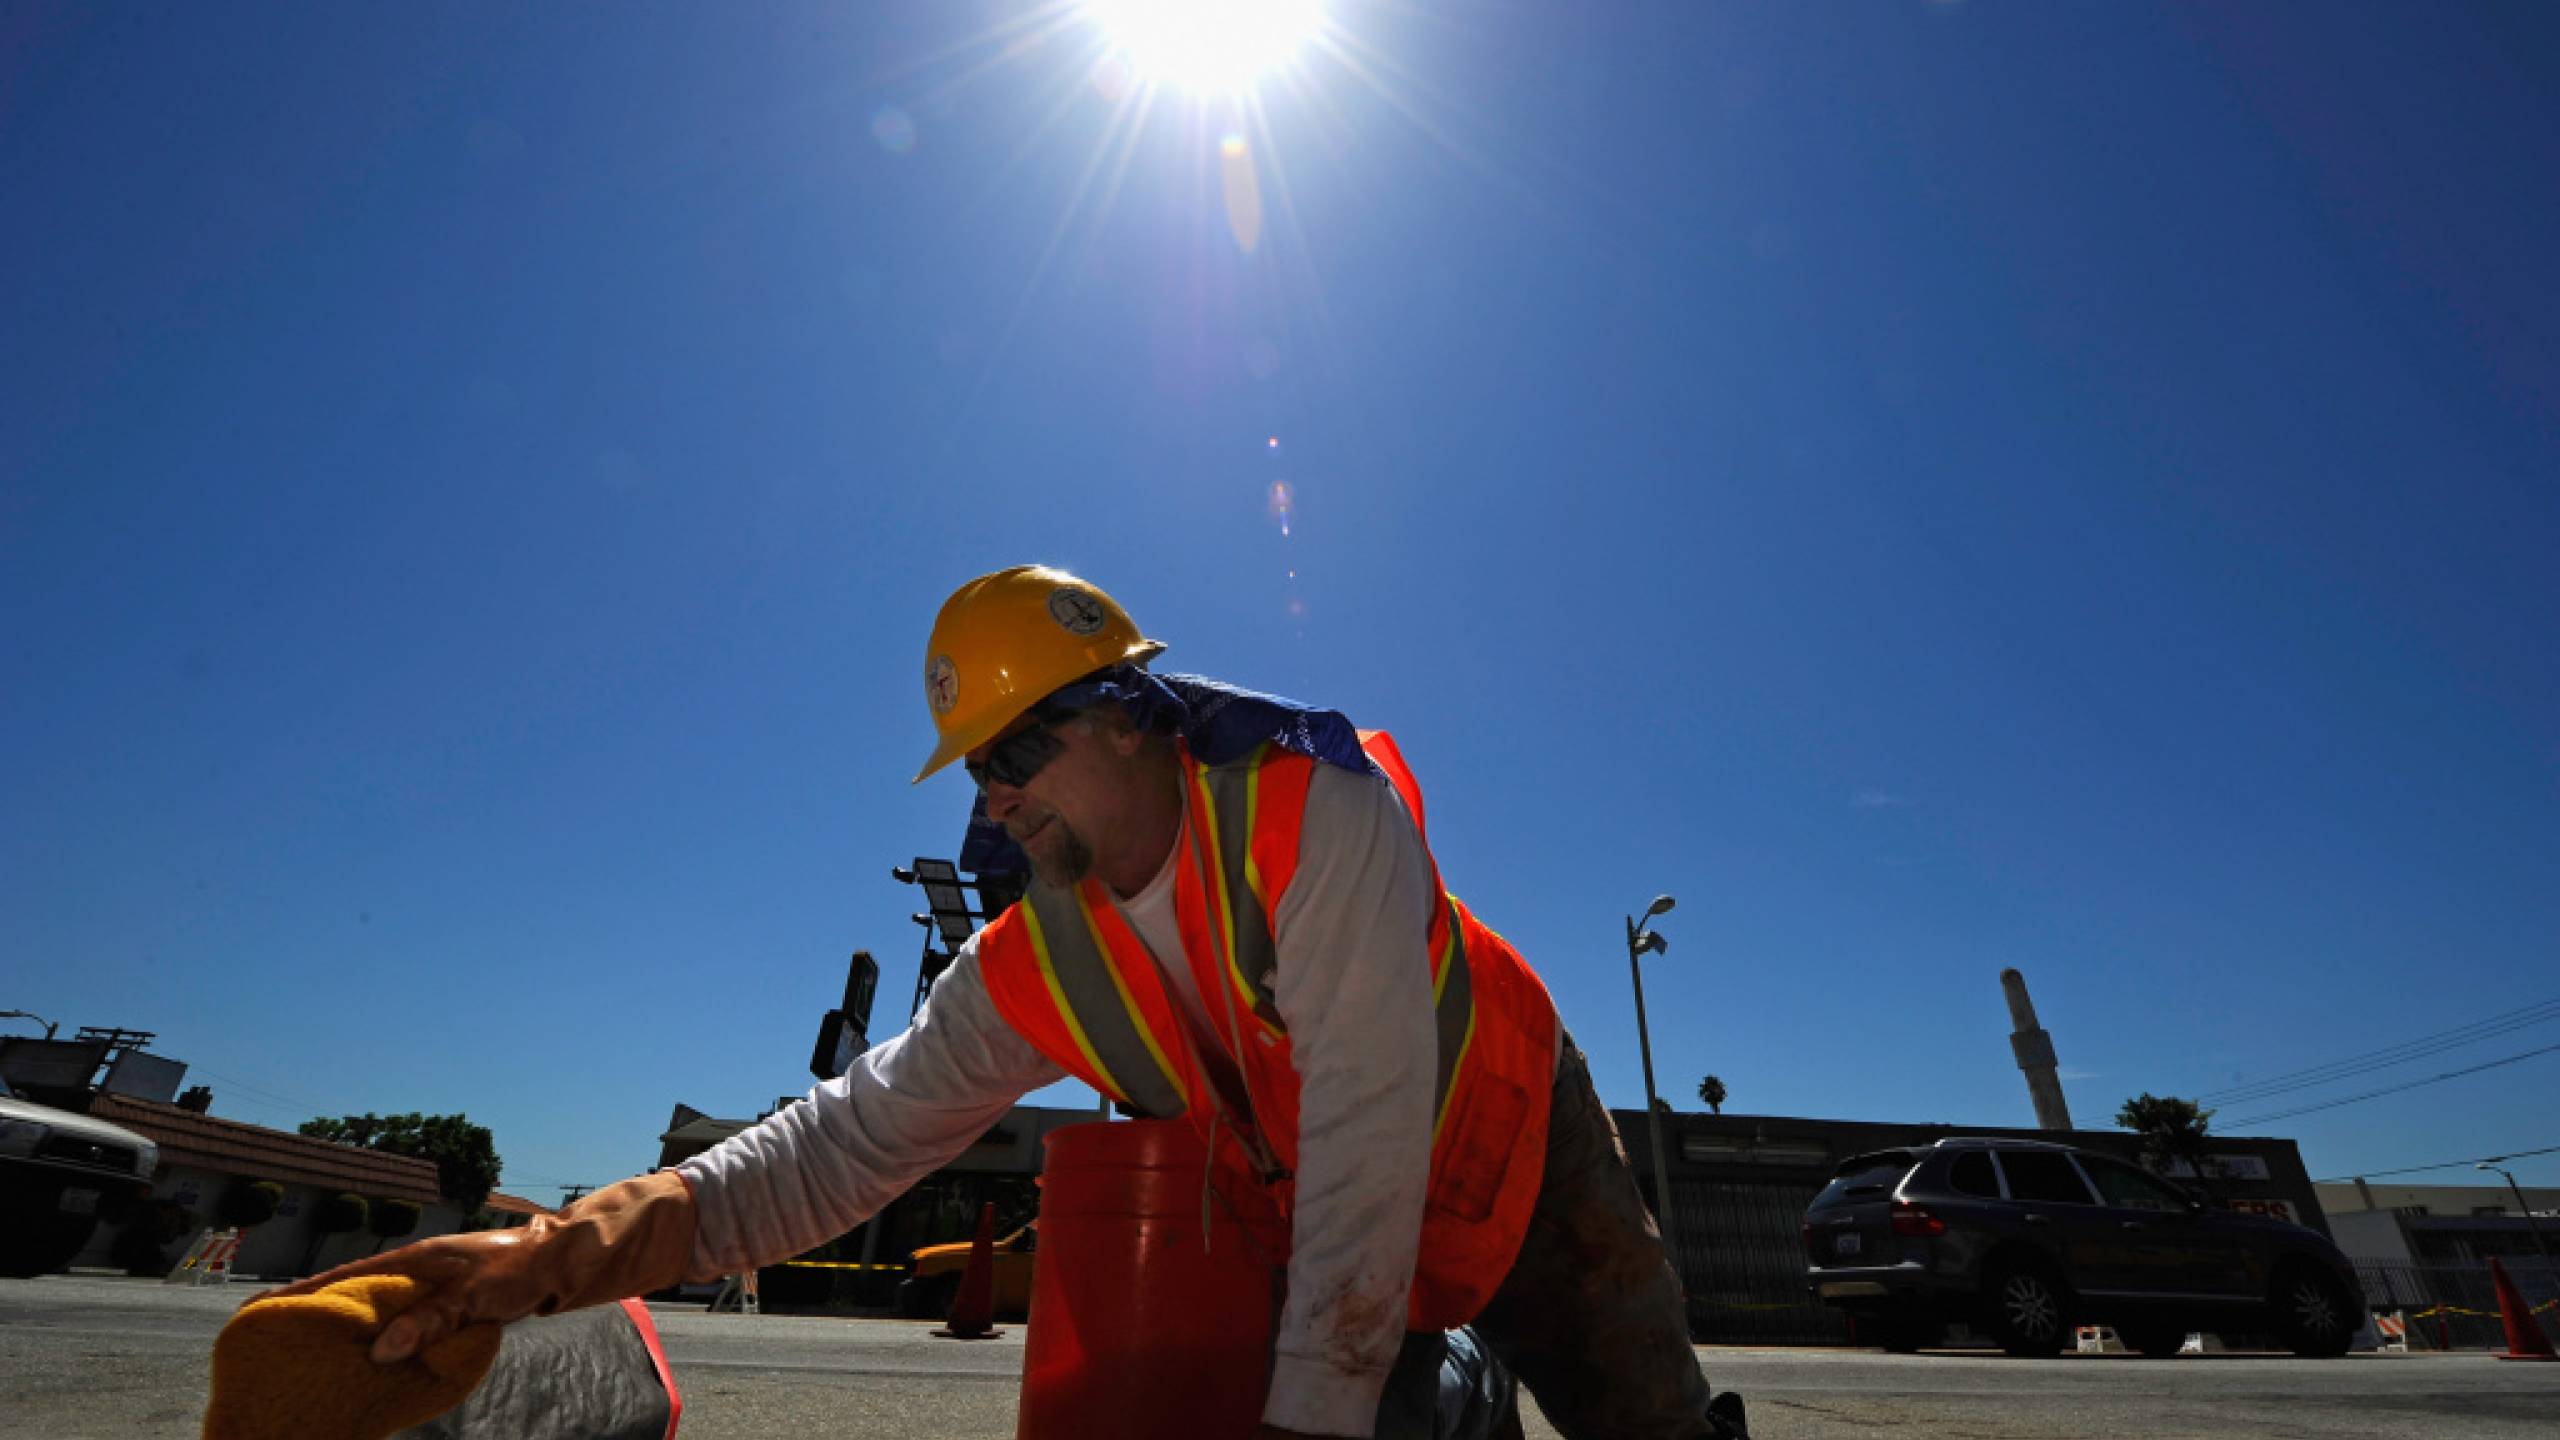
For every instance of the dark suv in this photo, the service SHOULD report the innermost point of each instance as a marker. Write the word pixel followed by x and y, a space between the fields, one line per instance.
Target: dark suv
pixel 2028 1239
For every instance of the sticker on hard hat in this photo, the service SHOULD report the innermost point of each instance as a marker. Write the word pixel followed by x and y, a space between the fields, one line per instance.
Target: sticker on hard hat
pixel 1076 609
pixel 942 684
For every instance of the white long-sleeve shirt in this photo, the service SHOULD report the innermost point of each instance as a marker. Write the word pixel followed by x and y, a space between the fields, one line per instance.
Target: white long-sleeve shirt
pixel 1354 989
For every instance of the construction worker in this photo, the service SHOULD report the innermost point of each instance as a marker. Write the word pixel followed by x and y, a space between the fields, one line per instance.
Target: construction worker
pixel 1234 918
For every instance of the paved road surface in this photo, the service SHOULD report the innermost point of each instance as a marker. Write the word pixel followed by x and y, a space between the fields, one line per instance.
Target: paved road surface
pixel 95 1358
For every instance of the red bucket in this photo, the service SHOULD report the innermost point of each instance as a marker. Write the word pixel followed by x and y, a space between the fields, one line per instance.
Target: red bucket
pixel 1138 1331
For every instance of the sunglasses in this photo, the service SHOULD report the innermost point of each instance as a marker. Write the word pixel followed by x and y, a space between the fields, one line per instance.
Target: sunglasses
pixel 1019 756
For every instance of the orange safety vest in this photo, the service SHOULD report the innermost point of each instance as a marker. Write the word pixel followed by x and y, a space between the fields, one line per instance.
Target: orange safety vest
pixel 1070 974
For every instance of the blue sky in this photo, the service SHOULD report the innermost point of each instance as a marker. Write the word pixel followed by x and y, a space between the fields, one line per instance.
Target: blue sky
pixel 1934 486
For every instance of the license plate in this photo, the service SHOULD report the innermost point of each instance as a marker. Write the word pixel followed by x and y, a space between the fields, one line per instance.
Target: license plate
pixel 1848 1242
pixel 79 1202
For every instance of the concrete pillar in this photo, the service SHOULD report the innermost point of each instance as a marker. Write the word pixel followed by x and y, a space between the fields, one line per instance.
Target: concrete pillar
pixel 2034 1049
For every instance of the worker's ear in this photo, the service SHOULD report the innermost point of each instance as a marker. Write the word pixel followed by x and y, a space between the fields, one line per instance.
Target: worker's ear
pixel 1113 725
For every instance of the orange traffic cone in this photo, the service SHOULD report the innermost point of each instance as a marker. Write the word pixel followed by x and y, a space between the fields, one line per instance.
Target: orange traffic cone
pixel 974 1309
pixel 2525 1340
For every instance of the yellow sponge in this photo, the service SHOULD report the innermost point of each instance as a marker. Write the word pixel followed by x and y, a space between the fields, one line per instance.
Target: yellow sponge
pixel 297 1368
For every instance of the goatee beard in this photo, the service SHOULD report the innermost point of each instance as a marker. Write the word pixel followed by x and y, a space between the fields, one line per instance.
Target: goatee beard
pixel 1064 863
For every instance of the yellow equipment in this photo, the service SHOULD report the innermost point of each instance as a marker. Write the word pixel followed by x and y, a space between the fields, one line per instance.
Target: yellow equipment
pixel 1004 641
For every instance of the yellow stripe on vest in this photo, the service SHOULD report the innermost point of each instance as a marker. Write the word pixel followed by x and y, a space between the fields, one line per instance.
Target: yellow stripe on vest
pixel 1451 957
pixel 1226 919
pixel 1128 1002
pixel 1252 818
pixel 1440 972
pixel 1440 1123
pixel 1067 1012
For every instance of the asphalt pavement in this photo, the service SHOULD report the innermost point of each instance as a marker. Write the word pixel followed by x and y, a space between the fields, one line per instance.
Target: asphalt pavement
pixel 100 1358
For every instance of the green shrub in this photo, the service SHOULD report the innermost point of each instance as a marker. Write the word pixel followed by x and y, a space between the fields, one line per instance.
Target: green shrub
pixel 342 1214
pixel 249 1203
pixel 393 1218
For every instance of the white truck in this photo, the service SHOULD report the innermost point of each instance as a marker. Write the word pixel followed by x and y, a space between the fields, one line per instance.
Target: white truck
pixel 60 1172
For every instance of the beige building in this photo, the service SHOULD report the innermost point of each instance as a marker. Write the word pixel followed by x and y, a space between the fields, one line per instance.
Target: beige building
pixel 2382 1224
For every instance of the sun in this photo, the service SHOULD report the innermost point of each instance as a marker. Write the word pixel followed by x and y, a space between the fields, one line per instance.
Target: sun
pixel 1208 46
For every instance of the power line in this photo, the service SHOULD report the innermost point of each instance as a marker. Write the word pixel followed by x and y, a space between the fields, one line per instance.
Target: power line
pixel 2395 1089
pixel 287 1101
pixel 2401 1053
pixel 2448 1165
pixel 2498 1024
pixel 229 1101
pixel 2534 1014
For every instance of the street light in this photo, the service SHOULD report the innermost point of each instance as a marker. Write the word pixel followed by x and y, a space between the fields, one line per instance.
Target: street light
pixel 2522 1204
pixel 1640 943
pixel 49 1026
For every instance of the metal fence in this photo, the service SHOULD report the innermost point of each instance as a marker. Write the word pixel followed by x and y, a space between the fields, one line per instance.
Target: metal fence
pixel 1742 1262
pixel 2455 1307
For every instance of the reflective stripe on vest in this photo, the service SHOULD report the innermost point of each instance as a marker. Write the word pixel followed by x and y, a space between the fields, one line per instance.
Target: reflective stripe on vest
pixel 1229 796
pixel 1095 1003
pixel 1103 1018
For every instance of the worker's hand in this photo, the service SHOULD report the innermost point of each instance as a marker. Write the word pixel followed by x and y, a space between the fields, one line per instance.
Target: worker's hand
pixel 462 1281
pixel 625 1239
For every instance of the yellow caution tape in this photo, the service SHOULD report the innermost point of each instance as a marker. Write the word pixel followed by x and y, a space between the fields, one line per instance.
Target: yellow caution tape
pixel 2435 1311
pixel 836 1265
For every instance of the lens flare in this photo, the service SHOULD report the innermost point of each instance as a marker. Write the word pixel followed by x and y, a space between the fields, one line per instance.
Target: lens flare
pixel 894 130
pixel 1111 77
pixel 1242 192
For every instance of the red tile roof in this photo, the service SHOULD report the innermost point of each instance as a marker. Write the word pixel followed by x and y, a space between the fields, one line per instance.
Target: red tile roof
pixel 237 1147
pixel 514 1205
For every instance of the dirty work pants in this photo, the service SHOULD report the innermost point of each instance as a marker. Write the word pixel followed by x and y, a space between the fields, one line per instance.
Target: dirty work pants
pixel 1446 1385
pixel 1591 1317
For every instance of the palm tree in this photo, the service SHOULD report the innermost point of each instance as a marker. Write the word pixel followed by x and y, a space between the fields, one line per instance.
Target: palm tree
pixel 1711 1090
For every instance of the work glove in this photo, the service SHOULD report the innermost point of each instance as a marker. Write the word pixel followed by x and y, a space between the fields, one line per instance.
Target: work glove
pixel 625 1239
pixel 295 1367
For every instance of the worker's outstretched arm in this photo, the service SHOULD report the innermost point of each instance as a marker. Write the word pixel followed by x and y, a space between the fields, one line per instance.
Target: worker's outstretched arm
pixel 625 1239
pixel 797 1179
pixel 810 1172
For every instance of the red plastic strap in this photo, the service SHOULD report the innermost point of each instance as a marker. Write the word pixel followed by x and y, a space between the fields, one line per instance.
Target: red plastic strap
pixel 648 1329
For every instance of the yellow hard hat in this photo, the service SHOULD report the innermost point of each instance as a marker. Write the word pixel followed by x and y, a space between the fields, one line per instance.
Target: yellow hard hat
pixel 1004 641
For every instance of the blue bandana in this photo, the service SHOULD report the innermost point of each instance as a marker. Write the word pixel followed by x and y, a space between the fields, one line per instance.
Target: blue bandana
pixel 1218 721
